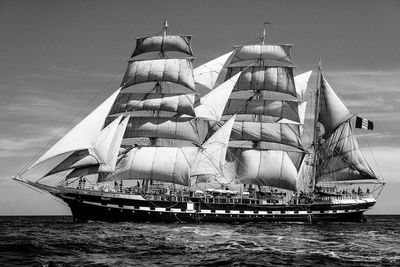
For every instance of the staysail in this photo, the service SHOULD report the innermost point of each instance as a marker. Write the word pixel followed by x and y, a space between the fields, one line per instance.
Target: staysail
pixel 77 143
pixel 332 110
pixel 340 156
pixel 342 159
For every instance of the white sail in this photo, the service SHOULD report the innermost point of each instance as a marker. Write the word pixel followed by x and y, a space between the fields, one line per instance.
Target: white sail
pixel 177 43
pixel 264 52
pixel 342 159
pixel 282 133
pixel 110 159
pixel 332 110
pixel 174 164
pixel 264 78
pixel 77 159
pixel 212 104
pixel 211 159
pixel 267 167
pixel 95 155
pixel 93 169
pixel 211 72
pixel 179 103
pixel 301 109
pixel 274 108
pixel 112 153
pixel 106 138
pixel 301 82
pixel 84 135
pixel 181 128
pixel 175 70
pixel 168 164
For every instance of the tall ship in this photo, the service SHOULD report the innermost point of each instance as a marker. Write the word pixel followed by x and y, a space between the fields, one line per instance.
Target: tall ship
pixel 256 147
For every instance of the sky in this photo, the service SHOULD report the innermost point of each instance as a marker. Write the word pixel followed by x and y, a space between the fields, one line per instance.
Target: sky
pixel 60 59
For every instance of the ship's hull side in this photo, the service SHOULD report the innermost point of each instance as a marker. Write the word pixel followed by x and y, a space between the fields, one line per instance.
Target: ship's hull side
pixel 116 207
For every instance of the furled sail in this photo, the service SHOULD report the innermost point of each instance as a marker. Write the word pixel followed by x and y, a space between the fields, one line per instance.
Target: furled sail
pixel 264 78
pixel 175 70
pixel 342 159
pixel 267 167
pixel 262 51
pixel 212 104
pixel 332 110
pixel 177 43
pixel 211 72
pixel 179 103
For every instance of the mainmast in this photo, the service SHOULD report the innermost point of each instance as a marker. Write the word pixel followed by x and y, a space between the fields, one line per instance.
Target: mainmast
pixel 263 36
pixel 257 93
pixel 316 127
pixel 164 33
pixel 165 28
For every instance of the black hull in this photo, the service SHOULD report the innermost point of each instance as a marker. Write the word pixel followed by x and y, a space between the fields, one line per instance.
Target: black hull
pixel 100 206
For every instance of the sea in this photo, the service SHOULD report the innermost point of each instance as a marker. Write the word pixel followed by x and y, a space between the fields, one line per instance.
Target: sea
pixel 58 241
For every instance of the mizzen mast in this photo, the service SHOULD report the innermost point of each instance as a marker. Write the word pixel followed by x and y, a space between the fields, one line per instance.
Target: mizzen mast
pixel 316 126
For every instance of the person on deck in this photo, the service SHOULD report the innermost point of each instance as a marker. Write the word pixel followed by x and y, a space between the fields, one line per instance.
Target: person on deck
pixel 80 182
pixel 116 186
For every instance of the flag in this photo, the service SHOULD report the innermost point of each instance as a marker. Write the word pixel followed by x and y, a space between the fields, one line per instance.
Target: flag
pixel 364 124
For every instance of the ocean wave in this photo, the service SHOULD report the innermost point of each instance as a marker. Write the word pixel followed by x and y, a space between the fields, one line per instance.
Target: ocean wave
pixel 57 241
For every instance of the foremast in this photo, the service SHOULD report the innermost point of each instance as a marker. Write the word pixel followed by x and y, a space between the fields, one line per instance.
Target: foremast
pixel 178 145
pixel 155 101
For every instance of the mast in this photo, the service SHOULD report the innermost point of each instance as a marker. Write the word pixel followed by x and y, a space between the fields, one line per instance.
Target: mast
pixel 257 93
pixel 164 33
pixel 316 126
pixel 165 28
pixel 263 36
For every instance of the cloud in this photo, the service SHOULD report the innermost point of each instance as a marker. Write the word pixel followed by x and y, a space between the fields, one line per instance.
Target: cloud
pixel 56 72
pixel 24 146
pixel 384 160
pixel 362 81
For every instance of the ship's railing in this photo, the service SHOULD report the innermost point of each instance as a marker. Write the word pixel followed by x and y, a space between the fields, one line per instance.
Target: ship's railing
pixel 349 196
pixel 222 196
